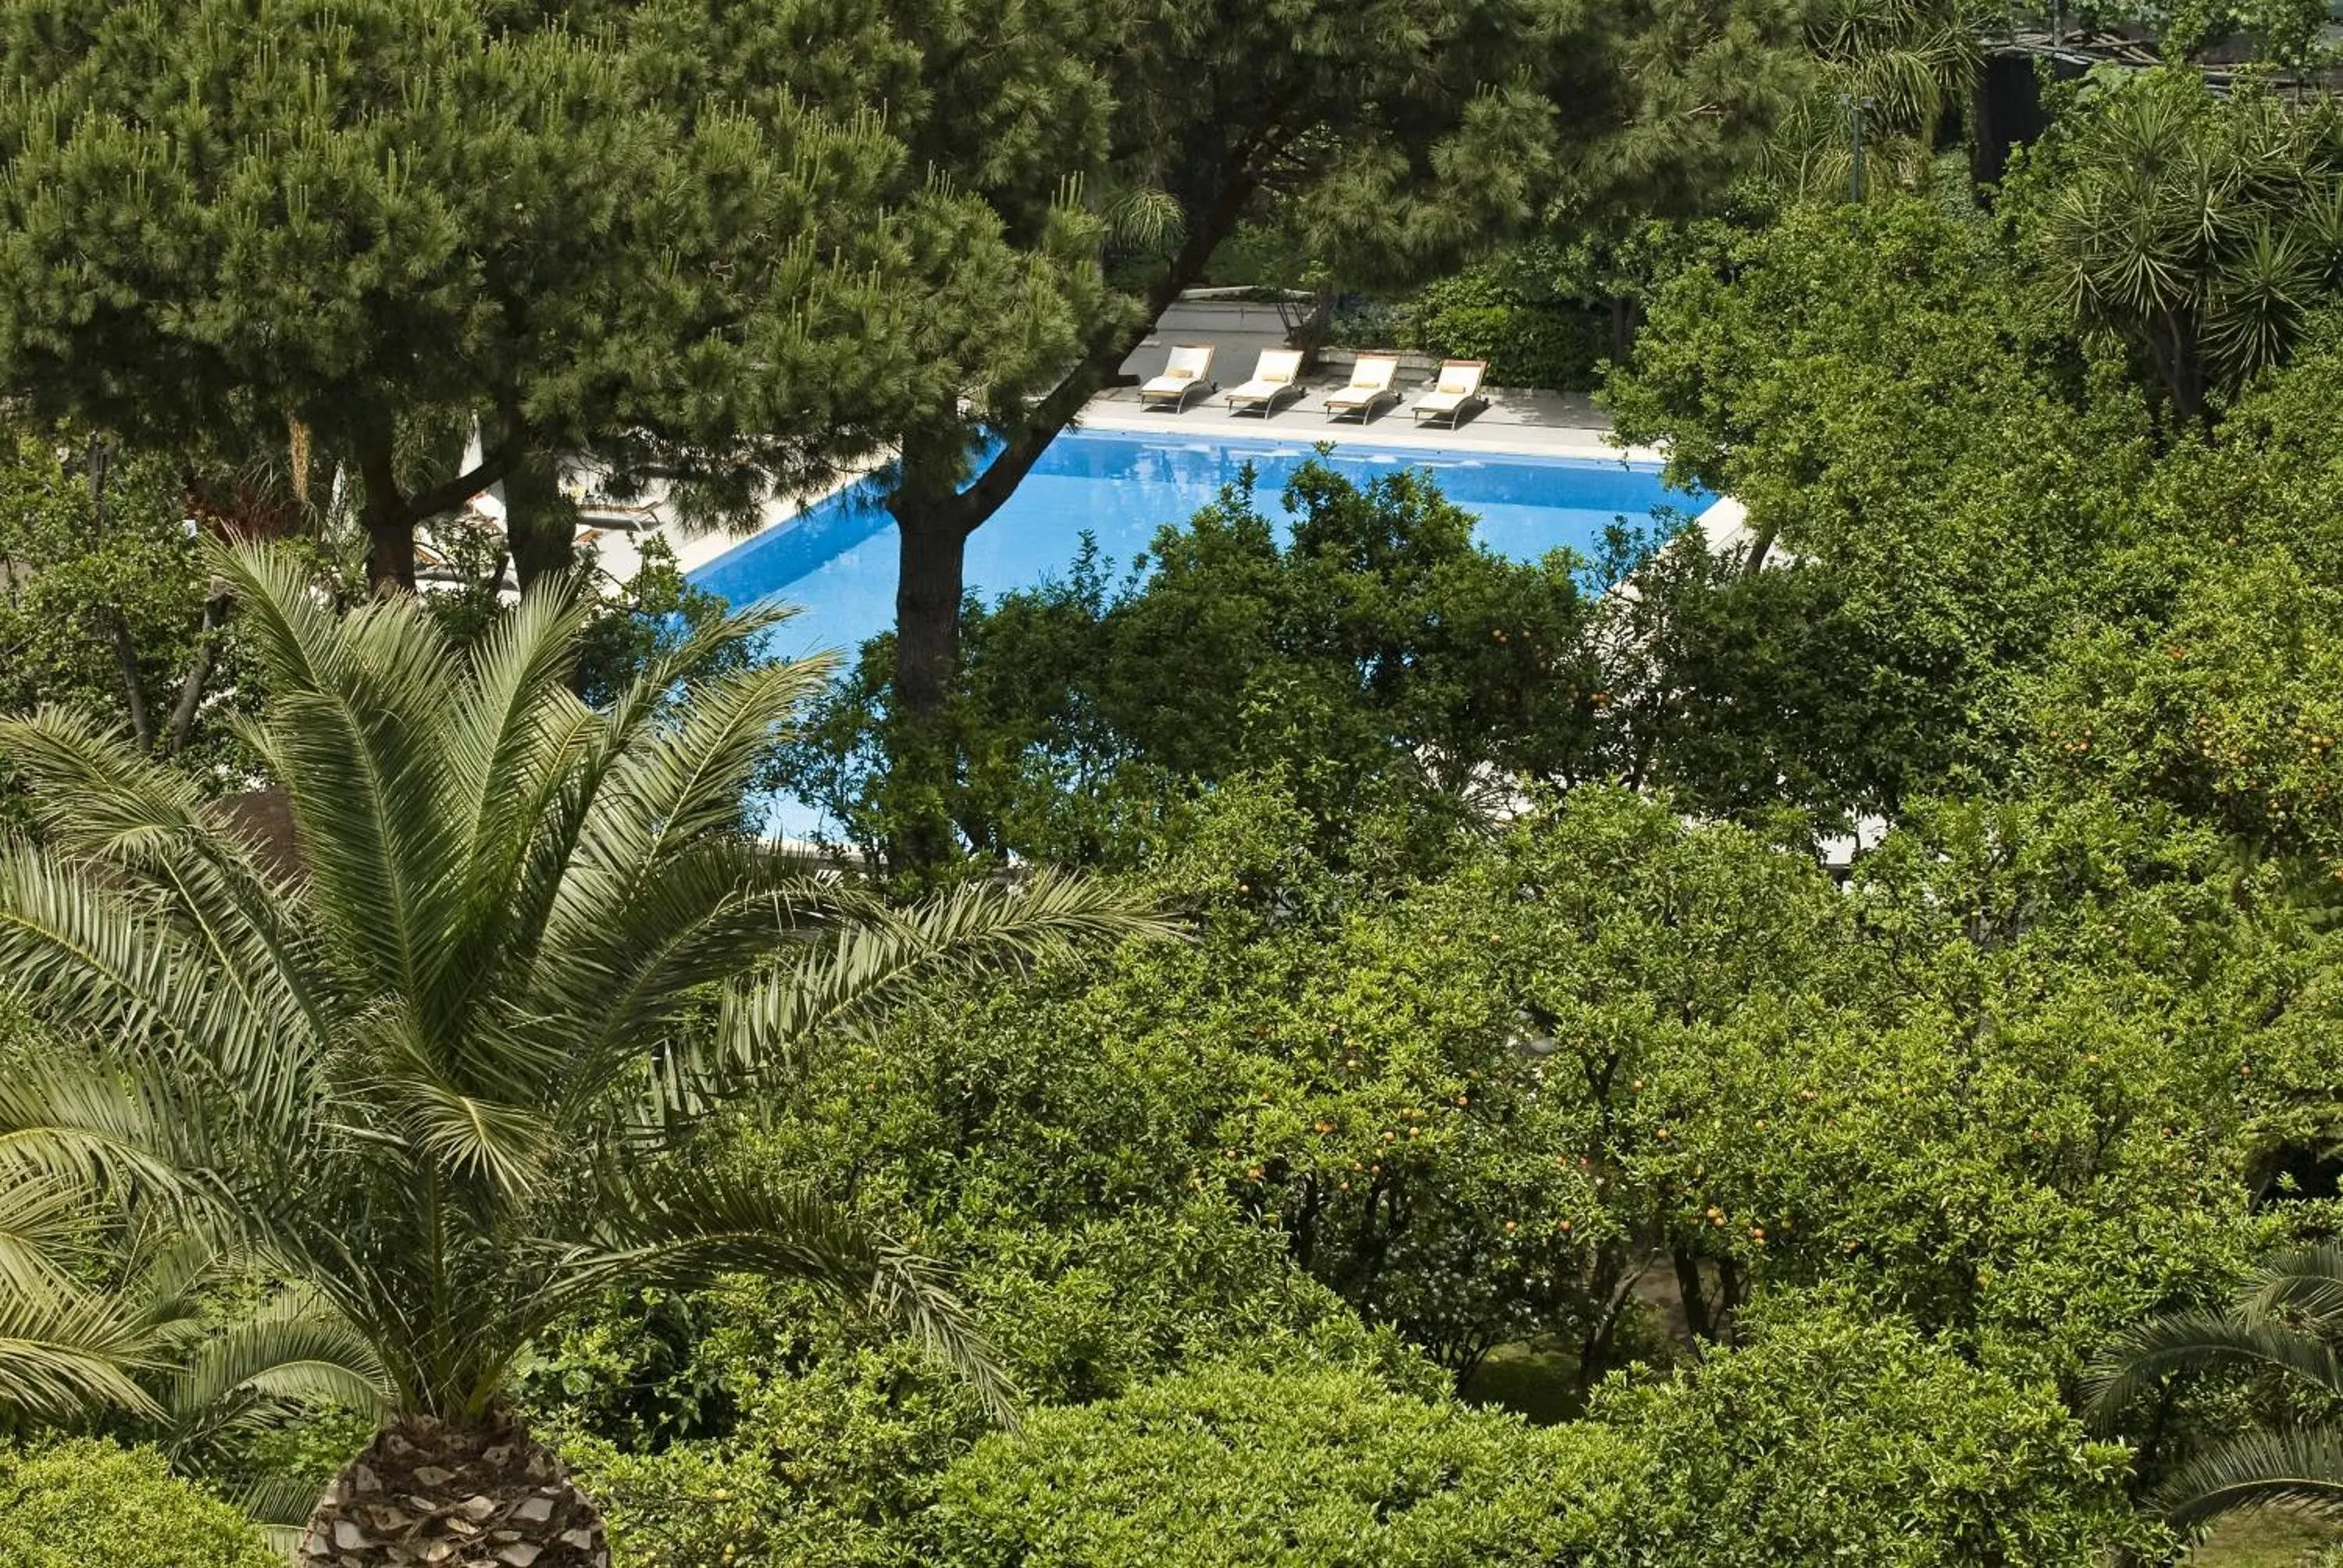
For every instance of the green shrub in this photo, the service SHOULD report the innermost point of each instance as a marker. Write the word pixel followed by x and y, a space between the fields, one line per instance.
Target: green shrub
pixel 1834 1438
pixel 86 1503
pixel 1279 1470
pixel 1838 1436
pixel 750 1419
pixel 825 1464
pixel 1511 313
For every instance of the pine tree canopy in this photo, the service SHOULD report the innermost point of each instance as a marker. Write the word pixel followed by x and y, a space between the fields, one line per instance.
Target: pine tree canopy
pixel 384 219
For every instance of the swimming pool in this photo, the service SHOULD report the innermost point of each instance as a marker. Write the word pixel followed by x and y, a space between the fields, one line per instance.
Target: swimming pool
pixel 837 559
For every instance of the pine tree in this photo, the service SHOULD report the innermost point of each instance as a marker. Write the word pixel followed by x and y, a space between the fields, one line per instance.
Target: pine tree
pixel 1392 137
pixel 386 220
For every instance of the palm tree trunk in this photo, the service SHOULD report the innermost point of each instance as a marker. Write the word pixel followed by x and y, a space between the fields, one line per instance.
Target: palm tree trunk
pixel 426 1494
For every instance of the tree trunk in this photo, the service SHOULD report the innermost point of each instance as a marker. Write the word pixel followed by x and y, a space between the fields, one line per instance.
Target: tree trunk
pixel 1695 1298
pixel 1627 316
pixel 134 690
pixel 199 669
pixel 390 514
pixel 936 519
pixel 426 1494
pixel 2182 360
pixel 929 585
pixel 390 531
pixel 1729 1296
pixel 540 522
pixel 932 550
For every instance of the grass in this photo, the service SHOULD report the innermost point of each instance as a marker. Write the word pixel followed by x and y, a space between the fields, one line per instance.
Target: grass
pixel 2264 1539
pixel 1537 1383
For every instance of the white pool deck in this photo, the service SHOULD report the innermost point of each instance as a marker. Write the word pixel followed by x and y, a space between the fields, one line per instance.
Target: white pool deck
pixel 1522 423
pixel 1513 422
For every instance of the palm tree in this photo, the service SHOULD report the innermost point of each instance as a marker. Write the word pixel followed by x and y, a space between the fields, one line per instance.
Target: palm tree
pixel 458 1074
pixel 110 1281
pixel 2285 1318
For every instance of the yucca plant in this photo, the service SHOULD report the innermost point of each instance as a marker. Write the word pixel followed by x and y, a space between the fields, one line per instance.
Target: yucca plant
pixel 2286 1318
pixel 454 1073
pixel 2205 232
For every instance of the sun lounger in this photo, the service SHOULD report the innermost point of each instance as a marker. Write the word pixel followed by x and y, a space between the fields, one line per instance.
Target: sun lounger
pixel 1370 383
pixel 1189 369
pixel 1457 387
pixel 1275 375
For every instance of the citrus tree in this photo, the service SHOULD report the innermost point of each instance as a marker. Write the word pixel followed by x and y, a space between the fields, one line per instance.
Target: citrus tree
pixel 444 1070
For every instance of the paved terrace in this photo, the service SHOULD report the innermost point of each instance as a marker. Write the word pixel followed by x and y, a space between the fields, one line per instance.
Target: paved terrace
pixel 1547 424
pixel 1541 424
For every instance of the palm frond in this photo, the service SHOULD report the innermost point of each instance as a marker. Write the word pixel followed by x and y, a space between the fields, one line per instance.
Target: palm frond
pixel 514 734
pixel 356 734
pixel 170 1265
pixel 686 780
pixel 367 795
pixel 163 862
pixel 293 1351
pixel 706 915
pixel 2301 1470
pixel 113 973
pixel 2307 1279
pixel 280 1505
pixel 45 1227
pixel 570 881
pixel 92 1124
pixel 973 928
pixel 291 629
pixel 685 1228
pixel 2191 1341
pixel 469 1137
pixel 65 1350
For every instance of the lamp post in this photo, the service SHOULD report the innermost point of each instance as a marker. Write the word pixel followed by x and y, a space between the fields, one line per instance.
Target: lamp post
pixel 1856 107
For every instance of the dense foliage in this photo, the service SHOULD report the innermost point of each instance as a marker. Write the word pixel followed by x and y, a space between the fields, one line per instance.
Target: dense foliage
pixel 103 600
pixel 1810 1036
pixel 1534 317
pixel 405 217
pixel 86 1503
pixel 1377 657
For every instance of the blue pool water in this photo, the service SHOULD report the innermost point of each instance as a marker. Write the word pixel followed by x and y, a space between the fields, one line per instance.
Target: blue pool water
pixel 837 560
